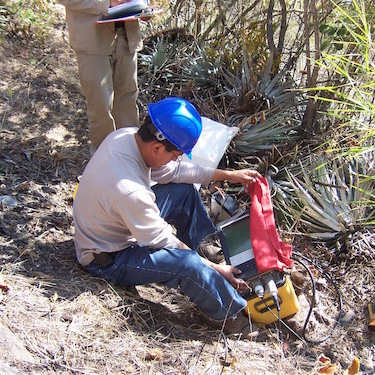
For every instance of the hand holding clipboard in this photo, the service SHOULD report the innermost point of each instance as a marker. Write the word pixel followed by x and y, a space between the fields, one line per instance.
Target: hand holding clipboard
pixel 130 11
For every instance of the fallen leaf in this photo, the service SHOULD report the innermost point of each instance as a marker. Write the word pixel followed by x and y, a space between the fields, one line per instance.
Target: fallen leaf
pixel 228 361
pixel 4 287
pixel 156 353
pixel 3 284
pixel 353 369
pixel 327 370
pixel 371 311
pixel 323 359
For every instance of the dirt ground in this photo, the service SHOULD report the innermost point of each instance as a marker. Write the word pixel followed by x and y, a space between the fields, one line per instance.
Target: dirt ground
pixel 55 318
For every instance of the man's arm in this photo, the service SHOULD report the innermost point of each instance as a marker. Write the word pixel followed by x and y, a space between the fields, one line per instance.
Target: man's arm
pixel 184 172
pixel 243 176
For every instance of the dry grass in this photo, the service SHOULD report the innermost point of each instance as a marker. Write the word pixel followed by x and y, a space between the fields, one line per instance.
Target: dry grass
pixel 77 324
pixel 104 331
pixel 71 323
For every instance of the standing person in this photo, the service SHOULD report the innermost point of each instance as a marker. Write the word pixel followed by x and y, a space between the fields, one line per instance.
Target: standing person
pixel 107 65
pixel 123 226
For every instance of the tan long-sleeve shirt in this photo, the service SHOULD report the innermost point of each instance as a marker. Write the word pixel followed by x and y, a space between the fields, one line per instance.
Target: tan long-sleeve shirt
pixel 86 36
pixel 115 206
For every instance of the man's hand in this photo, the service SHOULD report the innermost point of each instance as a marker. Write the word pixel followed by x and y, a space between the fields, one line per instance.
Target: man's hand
pixel 243 176
pixel 228 273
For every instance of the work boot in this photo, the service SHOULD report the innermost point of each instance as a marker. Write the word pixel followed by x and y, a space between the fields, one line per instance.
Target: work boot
pixel 210 251
pixel 240 325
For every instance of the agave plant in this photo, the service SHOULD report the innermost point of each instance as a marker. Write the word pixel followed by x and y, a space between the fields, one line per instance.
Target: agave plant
pixel 268 111
pixel 328 200
pixel 173 64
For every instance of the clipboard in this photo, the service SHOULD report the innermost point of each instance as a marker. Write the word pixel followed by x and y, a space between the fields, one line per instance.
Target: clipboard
pixel 145 15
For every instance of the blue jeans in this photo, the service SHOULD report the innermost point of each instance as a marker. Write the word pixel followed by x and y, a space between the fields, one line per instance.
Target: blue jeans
pixel 180 205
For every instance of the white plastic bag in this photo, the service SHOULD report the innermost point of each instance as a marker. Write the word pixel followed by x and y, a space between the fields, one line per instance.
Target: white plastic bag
pixel 212 143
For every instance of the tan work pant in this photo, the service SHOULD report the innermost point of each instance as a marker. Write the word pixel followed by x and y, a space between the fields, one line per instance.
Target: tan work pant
pixel 110 86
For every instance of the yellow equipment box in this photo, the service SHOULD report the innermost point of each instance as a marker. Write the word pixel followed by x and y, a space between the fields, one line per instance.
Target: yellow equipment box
pixel 260 308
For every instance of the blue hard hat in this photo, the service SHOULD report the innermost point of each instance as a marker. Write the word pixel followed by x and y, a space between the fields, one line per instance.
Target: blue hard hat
pixel 178 121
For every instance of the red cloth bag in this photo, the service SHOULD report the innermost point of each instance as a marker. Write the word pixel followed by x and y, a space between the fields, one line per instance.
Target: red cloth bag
pixel 269 251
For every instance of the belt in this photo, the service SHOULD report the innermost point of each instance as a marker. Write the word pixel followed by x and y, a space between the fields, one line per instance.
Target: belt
pixel 104 259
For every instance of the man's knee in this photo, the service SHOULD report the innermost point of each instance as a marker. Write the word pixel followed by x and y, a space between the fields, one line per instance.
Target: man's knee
pixel 185 189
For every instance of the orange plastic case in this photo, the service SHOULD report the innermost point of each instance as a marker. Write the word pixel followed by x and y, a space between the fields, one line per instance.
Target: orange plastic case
pixel 259 309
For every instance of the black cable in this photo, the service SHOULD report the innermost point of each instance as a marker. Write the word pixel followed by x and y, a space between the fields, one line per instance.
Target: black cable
pixel 312 303
pixel 279 328
pixel 282 322
pixel 276 302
